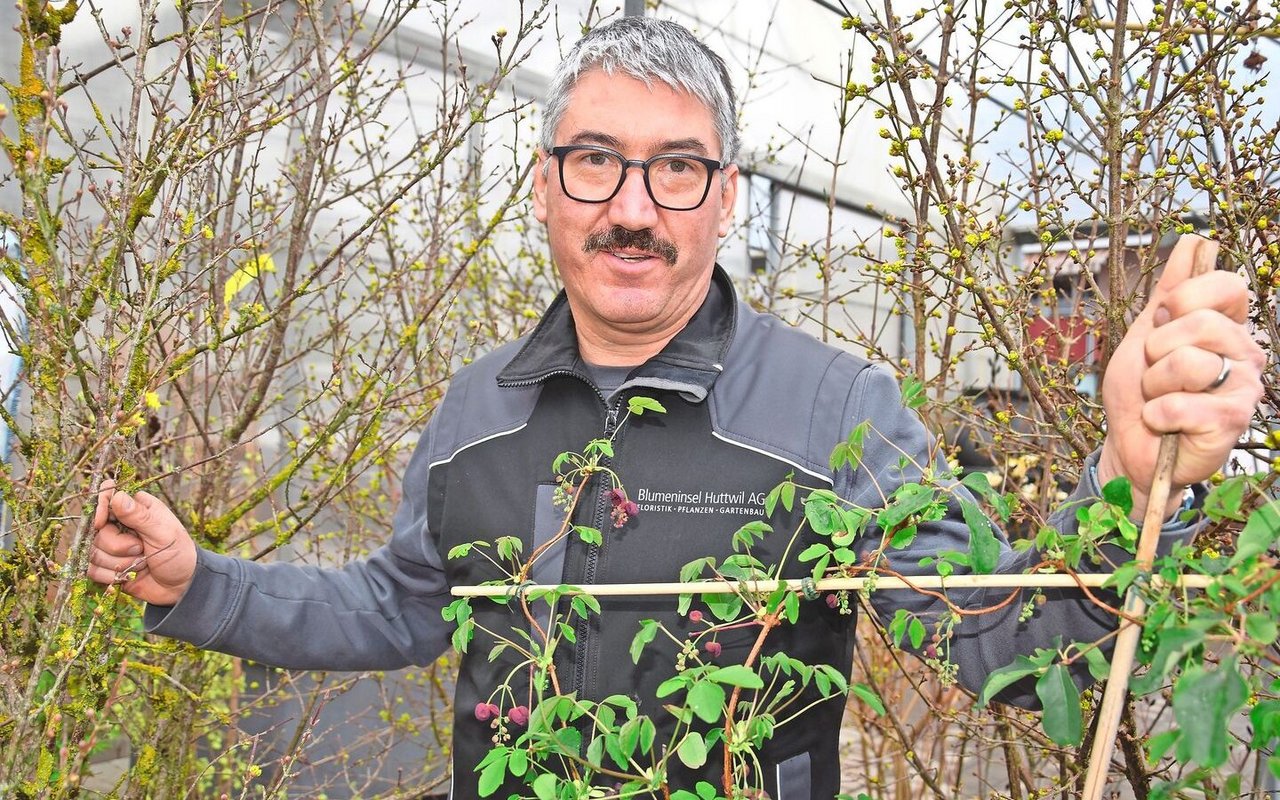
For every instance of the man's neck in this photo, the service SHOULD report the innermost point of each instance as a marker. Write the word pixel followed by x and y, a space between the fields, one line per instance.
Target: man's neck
pixel 617 349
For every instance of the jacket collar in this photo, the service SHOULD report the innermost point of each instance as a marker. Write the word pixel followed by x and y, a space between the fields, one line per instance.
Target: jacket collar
pixel 689 364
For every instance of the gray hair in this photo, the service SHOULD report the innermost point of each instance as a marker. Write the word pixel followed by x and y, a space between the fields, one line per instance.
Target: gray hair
pixel 650 50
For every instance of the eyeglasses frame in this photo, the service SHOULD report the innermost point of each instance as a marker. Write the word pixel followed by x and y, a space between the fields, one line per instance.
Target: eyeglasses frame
pixel 627 163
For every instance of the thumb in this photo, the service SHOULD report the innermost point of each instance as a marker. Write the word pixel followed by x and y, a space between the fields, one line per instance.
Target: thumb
pixel 1192 255
pixel 146 516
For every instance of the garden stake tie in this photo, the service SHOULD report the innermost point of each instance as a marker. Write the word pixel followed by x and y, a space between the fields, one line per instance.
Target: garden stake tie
pixel 1203 255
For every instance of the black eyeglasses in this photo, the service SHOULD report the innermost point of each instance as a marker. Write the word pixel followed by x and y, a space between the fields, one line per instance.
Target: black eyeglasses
pixel 675 181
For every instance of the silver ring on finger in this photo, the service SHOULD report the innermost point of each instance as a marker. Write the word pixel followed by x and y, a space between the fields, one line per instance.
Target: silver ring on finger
pixel 1223 374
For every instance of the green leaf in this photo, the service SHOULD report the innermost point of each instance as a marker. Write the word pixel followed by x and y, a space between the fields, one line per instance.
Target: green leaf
pixel 544 786
pixel 737 675
pixel 518 762
pixel 1260 532
pixel 707 699
pixel 1006 676
pixel 984 546
pixel 638 405
pixel 788 495
pixel 692 750
pixel 1172 645
pixel 648 630
pixel 1119 492
pixel 1203 703
pixel 508 546
pixel 460 551
pixel 910 498
pixel 1158 745
pixel 868 696
pixel 1061 700
pixel 492 775
pixel 1099 666
pixel 813 552
pixel 822 515
pixel 725 607
pixel 588 534
pixel 913 395
pixel 1227 498
pixel 916 632
pixel 1261 627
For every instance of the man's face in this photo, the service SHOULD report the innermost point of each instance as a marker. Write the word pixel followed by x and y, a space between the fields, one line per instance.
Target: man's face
pixel 620 288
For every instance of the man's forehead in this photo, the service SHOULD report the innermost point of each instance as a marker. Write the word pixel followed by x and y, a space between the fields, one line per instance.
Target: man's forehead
pixel 596 114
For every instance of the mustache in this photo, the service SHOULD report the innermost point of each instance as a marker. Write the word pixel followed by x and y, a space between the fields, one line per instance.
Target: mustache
pixel 620 238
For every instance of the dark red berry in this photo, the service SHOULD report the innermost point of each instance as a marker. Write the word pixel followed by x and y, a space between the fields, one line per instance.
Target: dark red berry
pixel 713 649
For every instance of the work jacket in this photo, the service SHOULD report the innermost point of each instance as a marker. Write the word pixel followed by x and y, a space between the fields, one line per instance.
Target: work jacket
pixel 749 403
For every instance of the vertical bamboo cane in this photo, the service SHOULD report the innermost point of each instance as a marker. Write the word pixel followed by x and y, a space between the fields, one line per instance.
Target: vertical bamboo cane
pixel 1203 257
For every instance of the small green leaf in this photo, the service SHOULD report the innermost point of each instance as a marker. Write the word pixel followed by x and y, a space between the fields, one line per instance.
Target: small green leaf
pixel 588 534
pixel 984 545
pixel 518 762
pixel 648 630
pixel 492 775
pixel 868 696
pixel 1099 666
pixel 638 405
pixel 736 675
pixel 822 515
pixel 1260 532
pixel 1119 492
pixel 692 750
pixel 1203 703
pixel 544 786
pixel 916 632
pixel 913 395
pixel 813 552
pixel 788 495
pixel 460 551
pixel 707 699
pixel 1061 700
pixel 1006 676
pixel 910 498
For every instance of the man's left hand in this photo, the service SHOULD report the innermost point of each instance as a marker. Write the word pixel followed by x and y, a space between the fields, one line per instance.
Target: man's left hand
pixel 1163 377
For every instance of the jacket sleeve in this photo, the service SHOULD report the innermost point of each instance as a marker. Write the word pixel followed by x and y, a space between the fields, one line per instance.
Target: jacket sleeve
pixel 382 612
pixel 897 450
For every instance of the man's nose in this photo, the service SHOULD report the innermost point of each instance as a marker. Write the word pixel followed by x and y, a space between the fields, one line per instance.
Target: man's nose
pixel 632 207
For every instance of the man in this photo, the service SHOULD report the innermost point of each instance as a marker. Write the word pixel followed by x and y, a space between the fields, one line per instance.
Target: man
pixel 636 183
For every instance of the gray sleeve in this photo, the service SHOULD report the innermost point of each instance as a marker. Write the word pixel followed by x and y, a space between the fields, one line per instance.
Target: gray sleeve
pixel 382 612
pixel 896 451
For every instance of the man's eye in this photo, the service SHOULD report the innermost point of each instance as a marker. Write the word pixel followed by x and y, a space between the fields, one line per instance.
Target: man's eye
pixel 678 166
pixel 597 159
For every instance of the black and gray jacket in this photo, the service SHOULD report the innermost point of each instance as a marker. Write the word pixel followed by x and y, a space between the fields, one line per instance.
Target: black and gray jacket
pixel 749 401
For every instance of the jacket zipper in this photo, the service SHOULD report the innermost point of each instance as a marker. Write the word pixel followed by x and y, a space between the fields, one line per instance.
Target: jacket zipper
pixel 593 551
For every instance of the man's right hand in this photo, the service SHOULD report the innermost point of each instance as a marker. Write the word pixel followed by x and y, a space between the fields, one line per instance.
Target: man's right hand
pixel 140 546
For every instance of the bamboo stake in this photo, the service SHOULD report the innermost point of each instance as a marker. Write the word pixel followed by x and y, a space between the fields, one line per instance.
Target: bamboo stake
pixel 1048 580
pixel 1204 253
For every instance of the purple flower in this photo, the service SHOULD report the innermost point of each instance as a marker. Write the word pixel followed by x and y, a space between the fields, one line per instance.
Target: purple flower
pixel 519 716
pixel 695 616
pixel 713 648
pixel 486 711
pixel 631 508
pixel 833 600
pixel 617 497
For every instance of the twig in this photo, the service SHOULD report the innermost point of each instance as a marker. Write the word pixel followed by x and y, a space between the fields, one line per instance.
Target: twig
pixel 1113 697
pixel 1046 580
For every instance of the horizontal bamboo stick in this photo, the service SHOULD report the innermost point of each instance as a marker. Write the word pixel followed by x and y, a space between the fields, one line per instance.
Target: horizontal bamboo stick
pixel 1024 581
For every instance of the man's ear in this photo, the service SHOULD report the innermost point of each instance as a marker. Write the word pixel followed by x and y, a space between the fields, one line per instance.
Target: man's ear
pixel 728 198
pixel 540 171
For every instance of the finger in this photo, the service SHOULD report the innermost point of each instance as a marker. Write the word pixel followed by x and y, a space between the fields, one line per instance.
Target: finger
pixel 1192 255
pixel 1204 329
pixel 102 511
pixel 108 576
pixel 116 564
pixel 1187 369
pixel 115 543
pixel 150 518
pixel 1220 415
pixel 1224 292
